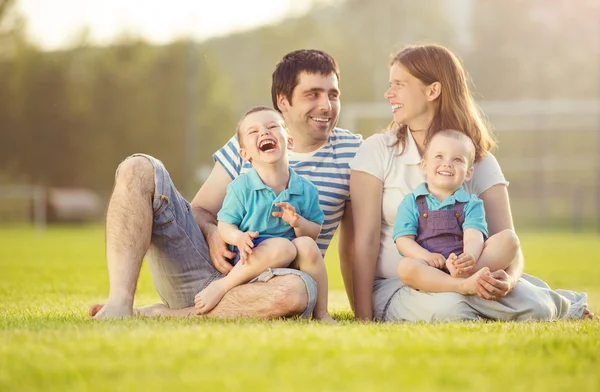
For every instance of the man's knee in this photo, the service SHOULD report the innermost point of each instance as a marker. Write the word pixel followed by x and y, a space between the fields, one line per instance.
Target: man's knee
pixel 291 296
pixel 136 171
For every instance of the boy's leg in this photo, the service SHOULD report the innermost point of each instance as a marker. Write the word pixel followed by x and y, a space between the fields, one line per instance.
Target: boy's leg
pixel 271 253
pixel 310 260
pixel 417 273
pixel 498 251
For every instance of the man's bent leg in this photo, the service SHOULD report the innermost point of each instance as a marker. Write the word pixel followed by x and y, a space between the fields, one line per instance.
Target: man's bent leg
pixel 128 231
pixel 281 296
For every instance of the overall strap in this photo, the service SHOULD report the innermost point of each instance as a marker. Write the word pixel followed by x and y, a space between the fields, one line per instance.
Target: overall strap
pixel 422 204
pixel 459 212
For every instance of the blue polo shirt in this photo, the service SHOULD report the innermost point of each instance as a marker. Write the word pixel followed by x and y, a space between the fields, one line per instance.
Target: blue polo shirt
pixel 249 203
pixel 407 217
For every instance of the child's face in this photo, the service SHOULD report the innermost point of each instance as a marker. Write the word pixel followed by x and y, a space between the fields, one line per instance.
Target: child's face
pixel 446 164
pixel 264 138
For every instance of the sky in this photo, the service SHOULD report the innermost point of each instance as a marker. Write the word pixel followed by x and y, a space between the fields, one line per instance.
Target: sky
pixel 56 24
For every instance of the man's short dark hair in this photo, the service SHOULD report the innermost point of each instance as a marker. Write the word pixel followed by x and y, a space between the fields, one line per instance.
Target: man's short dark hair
pixel 285 76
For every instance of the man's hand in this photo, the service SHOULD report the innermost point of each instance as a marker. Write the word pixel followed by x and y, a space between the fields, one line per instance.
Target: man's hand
pixel 288 214
pixel 495 285
pixel 244 244
pixel 219 253
pixel 464 263
pixel 436 260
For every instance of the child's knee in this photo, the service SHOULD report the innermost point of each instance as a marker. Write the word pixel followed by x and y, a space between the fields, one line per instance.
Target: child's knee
pixel 406 269
pixel 284 250
pixel 510 239
pixel 307 249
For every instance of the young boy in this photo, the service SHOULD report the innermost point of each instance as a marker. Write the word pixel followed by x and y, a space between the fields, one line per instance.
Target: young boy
pixel 442 226
pixel 252 221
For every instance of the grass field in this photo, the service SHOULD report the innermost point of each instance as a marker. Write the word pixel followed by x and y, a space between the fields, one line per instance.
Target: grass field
pixel 47 343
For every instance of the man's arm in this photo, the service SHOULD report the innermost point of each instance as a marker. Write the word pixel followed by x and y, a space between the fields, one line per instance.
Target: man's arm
pixel 346 250
pixel 499 217
pixel 205 206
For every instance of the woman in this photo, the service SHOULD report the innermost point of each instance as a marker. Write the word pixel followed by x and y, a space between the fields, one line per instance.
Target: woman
pixel 428 93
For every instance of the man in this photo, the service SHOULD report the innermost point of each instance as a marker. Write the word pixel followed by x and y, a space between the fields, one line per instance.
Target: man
pixel 146 214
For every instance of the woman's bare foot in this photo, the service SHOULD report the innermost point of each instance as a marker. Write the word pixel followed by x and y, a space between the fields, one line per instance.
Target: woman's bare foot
pixel 208 298
pixel 323 317
pixel 469 284
pixel 588 315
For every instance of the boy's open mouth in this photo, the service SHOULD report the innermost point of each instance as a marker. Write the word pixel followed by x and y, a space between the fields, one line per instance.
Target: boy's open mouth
pixel 267 145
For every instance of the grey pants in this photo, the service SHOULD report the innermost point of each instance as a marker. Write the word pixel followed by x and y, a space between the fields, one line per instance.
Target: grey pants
pixel 530 300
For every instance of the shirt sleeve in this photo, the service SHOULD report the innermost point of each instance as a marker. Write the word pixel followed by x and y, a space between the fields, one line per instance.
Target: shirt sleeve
pixel 229 157
pixel 233 210
pixel 407 218
pixel 313 212
pixel 371 156
pixel 475 216
pixel 487 173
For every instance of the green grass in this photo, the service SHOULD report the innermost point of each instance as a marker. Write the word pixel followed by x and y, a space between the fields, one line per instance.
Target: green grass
pixel 47 343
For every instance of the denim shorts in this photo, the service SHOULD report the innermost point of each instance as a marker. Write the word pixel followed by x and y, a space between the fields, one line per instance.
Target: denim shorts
pixel 179 259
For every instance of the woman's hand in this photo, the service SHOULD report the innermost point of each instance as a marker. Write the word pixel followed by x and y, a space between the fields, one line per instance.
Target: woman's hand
pixel 495 285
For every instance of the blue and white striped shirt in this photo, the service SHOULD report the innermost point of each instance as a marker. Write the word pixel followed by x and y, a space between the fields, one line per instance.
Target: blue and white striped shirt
pixel 328 168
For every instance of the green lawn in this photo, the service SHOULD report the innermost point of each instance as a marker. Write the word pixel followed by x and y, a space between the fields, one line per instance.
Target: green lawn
pixel 48 280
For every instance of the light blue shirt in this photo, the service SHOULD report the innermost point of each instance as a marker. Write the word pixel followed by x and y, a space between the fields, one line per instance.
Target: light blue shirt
pixel 249 203
pixel 328 168
pixel 407 217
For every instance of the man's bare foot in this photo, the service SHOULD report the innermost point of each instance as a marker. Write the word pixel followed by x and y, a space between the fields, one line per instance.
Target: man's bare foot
pixel 147 311
pixel 212 294
pixel 151 311
pixel 94 309
pixel 588 315
pixel 323 317
pixel 101 311
pixel 469 284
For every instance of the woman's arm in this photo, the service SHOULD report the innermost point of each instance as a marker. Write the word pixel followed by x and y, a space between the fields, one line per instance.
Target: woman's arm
pixel 366 193
pixel 499 217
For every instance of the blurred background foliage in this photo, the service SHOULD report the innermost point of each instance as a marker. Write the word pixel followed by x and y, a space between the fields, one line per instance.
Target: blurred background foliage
pixel 68 117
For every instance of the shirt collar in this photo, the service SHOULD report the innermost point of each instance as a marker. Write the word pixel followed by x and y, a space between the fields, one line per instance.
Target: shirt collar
pixel 256 184
pixel 461 195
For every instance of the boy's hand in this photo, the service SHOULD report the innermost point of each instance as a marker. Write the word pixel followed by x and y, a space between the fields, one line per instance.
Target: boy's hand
pixel 288 214
pixel 436 260
pixel 464 263
pixel 245 245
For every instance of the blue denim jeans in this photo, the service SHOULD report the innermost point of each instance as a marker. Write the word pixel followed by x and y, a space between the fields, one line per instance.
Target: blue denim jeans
pixel 179 259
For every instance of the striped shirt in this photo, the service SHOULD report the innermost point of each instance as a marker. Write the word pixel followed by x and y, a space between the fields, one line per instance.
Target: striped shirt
pixel 328 168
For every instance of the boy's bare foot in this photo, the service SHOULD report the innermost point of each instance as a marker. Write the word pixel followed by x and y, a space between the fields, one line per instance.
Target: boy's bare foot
pixel 450 265
pixel 210 296
pixel 469 284
pixel 324 317
pixel 101 311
